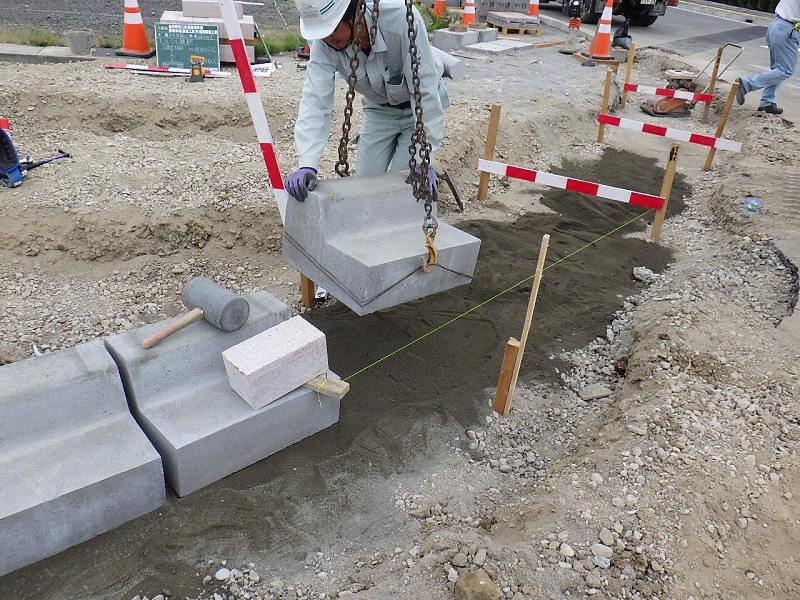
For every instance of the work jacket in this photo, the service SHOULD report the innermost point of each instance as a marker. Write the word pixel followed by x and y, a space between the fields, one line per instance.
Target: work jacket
pixel 384 77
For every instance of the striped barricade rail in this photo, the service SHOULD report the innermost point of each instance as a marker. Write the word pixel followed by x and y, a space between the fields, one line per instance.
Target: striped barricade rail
pixel 236 40
pixel 644 89
pixel 573 185
pixel 675 134
pixel 165 70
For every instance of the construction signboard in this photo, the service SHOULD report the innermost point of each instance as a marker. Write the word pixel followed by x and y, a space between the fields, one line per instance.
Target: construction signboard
pixel 177 43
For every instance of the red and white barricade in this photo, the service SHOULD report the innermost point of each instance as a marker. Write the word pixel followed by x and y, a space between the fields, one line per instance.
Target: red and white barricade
pixel 574 185
pixel 669 132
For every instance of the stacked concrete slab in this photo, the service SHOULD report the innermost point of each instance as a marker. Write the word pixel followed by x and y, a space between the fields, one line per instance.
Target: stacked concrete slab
pixel 450 40
pixel 73 462
pixel 180 395
pixel 208 12
pixel 361 239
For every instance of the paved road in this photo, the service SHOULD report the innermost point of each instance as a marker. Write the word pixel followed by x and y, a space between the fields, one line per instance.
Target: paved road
pixel 104 17
pixel 696 36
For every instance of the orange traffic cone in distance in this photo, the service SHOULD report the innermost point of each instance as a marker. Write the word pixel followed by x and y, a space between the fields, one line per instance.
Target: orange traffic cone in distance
pixel 469 13
pixel 533 8
pixel 134 35
pixel 600 46
pixel 440 8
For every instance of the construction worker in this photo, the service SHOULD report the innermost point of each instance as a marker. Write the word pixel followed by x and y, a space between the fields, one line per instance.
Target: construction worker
pixel 782 40
pixel 384 81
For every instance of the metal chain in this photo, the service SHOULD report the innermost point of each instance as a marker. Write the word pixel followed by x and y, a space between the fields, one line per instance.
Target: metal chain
pixel 419 180
pixel 342 166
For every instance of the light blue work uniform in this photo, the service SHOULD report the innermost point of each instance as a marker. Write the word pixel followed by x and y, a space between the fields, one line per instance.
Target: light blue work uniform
pixel 782 40
pixel 385 82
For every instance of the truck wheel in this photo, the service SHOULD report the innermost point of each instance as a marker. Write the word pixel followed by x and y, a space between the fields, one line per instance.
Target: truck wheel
pixel 643 20
pixel 588 15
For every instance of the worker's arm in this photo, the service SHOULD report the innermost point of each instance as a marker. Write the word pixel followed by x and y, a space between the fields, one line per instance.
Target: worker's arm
pixel 313 124
pixel 430 76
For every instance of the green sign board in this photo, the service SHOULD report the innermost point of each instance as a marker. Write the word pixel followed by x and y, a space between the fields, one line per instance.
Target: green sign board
pixel 177 43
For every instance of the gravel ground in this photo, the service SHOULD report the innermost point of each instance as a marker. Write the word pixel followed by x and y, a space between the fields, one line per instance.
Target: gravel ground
pixel 661 464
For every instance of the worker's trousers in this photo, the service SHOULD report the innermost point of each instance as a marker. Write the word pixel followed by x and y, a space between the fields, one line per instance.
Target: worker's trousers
pixel 385 136
pixel 782 40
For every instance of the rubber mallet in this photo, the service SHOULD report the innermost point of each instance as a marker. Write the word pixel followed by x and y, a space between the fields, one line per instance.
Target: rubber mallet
pixel 210 301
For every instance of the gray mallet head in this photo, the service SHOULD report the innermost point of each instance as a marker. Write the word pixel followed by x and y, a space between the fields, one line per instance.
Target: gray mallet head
pixel 221 307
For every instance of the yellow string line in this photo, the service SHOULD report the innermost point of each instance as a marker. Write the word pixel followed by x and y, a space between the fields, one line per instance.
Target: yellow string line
pixel 485 302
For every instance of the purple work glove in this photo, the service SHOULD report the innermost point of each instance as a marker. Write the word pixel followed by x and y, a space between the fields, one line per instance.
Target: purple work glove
pixel 432 180
pixel 299 183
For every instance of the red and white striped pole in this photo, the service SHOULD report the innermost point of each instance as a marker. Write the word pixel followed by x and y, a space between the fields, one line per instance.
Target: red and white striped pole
pixel 236 40
pixel 533 9
pixel 572 185
pixel 669 132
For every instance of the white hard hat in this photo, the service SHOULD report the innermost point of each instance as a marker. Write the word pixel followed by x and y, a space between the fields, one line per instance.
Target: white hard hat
pixel 319 18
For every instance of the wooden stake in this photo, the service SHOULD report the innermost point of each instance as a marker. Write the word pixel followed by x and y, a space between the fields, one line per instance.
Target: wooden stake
pixel 604 108
pixel 628 74
pixel 308 291
pixel 488 151
pixel 666 190
pixel 721 125
pixel 506 374
pixel 713 84
pixel 336 388
pixel 526 328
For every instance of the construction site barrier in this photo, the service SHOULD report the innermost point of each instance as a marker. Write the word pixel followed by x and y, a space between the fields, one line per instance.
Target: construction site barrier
pixel 573 185
pixel 167 70
pixel 644 89
pixel 668 132
pixel 257 113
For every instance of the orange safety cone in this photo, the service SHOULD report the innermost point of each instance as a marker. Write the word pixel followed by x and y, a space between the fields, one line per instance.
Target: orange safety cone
pixel 134 36
pixel 601 43
pixel 440 8
pixel 469 13
pixel 533 8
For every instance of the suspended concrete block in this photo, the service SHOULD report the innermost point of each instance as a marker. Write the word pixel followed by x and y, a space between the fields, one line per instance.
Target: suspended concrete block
pixel 361 239
pixel 180 395
pixel 73 462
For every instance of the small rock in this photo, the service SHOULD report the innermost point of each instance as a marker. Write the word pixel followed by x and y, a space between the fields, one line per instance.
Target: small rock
pixel 602 550
pixel 423 512
pixel 606 537
pixel 459 560
pixel 593 579
pixel 594 391
pixel 476 585
pixel 223 574
pixel 566 550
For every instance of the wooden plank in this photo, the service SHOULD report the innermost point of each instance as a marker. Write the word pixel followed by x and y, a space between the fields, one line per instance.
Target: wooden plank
pixel 526 328
pixel 308 291
pixel 516 29
pixel 506 373
pixel 721 124
pixel 666 190
pixel 631 52
pixel 336 388
pixel 548 44
pixel 488 150
pixel 604 107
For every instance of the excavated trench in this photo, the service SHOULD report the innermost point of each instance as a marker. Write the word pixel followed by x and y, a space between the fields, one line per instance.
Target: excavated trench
pixel 399 411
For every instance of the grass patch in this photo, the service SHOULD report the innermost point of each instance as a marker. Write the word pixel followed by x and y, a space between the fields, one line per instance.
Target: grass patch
pixel 35 36
pixel 278 42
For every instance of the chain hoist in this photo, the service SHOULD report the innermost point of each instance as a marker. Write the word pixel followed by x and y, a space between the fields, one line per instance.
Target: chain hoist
pixel 342 166
pixel 418 171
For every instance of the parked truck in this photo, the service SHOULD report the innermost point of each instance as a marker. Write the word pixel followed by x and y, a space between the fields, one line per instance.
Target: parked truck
pixel 642 13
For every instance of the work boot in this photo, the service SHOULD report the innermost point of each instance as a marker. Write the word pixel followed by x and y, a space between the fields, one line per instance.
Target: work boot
pixel 771 108
pixel 740 92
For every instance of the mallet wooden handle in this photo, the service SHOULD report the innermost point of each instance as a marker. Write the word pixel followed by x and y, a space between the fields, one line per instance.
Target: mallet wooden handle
pixel 194 315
